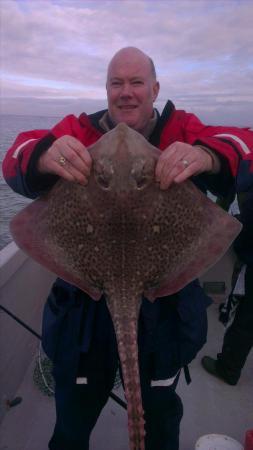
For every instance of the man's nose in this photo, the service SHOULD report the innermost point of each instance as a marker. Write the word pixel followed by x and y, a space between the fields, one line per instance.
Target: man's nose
pixel 126 90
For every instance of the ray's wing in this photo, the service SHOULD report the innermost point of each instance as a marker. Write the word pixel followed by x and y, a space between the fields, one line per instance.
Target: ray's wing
pixel 47 230
pixel 194 234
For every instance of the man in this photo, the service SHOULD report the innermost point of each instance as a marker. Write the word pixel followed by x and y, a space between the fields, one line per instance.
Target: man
pixel 77 333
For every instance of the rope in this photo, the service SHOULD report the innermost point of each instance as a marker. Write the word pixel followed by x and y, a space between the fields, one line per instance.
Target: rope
pixel 20 321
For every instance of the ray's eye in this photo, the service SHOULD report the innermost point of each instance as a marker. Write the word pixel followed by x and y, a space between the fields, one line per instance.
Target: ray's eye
pixel 141 181
pixel 142 173
pixel 103 181
pixel 104 173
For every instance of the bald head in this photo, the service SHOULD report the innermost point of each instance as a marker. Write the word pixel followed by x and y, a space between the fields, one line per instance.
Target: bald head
pixel 133 54
pixel 131 88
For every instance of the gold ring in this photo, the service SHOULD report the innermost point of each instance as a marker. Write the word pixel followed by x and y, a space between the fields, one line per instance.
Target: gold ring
pixel 62 161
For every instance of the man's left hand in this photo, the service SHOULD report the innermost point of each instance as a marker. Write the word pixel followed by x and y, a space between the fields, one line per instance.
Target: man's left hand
pixel 180 161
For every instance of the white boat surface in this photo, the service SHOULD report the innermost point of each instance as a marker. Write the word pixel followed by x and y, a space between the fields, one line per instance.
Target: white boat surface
pixel 210 405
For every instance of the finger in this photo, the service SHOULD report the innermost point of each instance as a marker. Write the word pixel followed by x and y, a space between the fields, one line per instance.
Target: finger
pixel 60 171
pixel 74 160
pixel 82 152
pixel 74 151
pixel 179 170
pixel 189 171
pixel 163 161
pixel 66 170
pixel 79 177
pixel 169 175
pixel 172 162
pixel 173 166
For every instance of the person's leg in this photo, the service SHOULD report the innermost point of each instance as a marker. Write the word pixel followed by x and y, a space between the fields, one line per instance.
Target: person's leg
pixel 238 339
pixel 163 421
pixel 158 354
pixel 77 409
pixel 80 401
pixel 163 414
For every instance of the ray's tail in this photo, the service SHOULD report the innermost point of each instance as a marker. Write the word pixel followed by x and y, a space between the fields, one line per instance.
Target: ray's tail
pixel 126 333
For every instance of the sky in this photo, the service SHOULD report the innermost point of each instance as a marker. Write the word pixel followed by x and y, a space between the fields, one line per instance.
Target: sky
pixel 55 53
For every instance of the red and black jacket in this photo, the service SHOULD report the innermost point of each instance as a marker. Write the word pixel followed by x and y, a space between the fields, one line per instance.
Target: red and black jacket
pixel 233 145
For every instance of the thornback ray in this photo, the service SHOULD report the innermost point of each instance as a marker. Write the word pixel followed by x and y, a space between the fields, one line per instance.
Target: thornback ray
pixel 122 236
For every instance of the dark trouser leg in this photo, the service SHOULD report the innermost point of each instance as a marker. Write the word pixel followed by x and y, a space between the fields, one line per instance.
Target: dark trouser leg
pixel 77 410
pixel 78 406
pixel 163 414
pixel 238 339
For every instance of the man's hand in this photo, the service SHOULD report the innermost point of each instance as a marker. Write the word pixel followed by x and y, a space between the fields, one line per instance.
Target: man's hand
pixel 180 161
pixel 68 158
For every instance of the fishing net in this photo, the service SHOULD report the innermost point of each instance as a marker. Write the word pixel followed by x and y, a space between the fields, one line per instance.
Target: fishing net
pixel 43 378
pixel 42 374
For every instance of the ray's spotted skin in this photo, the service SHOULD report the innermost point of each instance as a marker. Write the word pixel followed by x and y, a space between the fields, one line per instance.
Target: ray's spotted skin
pixel 123 236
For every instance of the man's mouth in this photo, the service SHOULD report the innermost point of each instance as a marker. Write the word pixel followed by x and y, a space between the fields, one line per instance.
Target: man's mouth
pixel 127 107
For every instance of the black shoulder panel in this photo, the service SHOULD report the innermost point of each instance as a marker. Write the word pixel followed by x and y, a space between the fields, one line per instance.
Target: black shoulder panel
pixel 95 118
pixel 162 120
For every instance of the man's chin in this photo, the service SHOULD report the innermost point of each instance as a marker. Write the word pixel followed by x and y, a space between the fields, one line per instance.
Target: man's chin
pixel 129 119
pixel 129 122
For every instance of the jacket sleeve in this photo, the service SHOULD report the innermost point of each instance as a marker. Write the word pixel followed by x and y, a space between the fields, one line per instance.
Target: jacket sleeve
pixel 230 143
pixel 20 163
pixel 233 146
pixel 17 159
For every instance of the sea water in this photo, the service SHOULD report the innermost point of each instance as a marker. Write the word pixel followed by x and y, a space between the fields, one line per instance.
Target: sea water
pixel 10 202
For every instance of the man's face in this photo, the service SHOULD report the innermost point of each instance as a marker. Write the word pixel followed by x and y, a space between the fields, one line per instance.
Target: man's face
pixel 131 91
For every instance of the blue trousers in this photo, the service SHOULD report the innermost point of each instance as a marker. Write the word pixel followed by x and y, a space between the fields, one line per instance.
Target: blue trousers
pixel 78 406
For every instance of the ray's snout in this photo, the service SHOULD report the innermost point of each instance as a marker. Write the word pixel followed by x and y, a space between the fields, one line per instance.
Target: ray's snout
pixel 136 176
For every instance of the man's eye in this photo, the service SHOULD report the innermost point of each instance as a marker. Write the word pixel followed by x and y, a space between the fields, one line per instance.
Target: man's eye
pixel 137 82
pixel 115 83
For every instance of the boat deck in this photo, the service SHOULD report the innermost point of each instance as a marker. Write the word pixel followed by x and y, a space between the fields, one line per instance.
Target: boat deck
pixel 210 406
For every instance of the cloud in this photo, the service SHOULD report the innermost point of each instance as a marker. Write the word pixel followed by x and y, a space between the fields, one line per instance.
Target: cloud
pixel 54 49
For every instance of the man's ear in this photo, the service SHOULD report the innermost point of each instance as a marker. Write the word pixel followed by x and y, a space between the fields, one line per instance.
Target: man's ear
pixel 156 89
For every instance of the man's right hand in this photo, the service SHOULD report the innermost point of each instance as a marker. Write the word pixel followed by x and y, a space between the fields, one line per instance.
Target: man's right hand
pixel 68 158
